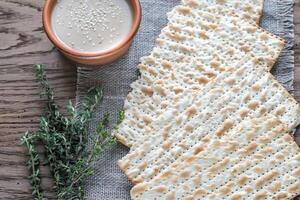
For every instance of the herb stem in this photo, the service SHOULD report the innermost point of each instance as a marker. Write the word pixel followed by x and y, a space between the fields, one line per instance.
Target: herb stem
pixel 65 140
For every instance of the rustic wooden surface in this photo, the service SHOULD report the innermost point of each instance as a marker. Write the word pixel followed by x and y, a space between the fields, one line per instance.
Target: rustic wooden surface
pixel 23 43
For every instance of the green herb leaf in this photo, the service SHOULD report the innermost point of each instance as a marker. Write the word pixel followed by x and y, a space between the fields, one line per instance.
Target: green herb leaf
pixel 65 140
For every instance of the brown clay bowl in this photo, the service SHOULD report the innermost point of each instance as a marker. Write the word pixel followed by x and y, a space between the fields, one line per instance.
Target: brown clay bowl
pixel 93 58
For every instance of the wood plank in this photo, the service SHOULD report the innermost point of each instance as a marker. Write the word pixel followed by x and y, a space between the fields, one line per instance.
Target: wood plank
pixel 23 43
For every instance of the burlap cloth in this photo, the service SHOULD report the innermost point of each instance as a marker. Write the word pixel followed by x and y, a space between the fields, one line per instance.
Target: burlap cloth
pixel 109 182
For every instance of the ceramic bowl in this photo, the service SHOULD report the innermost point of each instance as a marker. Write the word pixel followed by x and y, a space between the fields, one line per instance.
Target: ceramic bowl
pixel 94 58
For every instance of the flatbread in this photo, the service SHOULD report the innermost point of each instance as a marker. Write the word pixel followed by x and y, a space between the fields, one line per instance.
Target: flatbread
pixel 187 57
pixel 258 160
pixel 234 96
pixel 250 10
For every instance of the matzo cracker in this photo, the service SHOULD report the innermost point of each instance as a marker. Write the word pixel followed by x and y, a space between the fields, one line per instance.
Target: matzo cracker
pixel 258 160
pixel 178 67
pixel 233 97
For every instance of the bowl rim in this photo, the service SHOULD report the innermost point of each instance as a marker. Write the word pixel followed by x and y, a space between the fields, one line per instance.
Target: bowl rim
pixel 47 11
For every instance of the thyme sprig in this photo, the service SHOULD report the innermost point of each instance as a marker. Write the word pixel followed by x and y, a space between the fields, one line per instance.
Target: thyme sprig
pixel 65 140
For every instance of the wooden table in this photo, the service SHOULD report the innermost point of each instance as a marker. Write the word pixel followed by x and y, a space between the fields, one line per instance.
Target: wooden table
pixel 23 43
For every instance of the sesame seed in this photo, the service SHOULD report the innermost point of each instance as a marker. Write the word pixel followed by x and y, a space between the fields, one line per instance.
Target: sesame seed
pixel 91 25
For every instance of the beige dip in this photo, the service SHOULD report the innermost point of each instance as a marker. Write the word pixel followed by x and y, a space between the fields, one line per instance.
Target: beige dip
pixel 92 25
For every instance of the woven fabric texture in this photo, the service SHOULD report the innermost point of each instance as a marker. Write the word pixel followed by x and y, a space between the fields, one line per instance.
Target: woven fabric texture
pixel 109 183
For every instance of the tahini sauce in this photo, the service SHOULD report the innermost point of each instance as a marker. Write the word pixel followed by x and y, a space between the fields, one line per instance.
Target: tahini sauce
pixel 92 25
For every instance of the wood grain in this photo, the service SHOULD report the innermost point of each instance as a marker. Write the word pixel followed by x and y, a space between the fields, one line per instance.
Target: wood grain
pixel 23 43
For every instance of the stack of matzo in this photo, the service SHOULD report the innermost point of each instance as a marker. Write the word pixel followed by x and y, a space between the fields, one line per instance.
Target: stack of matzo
pixel 206 119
